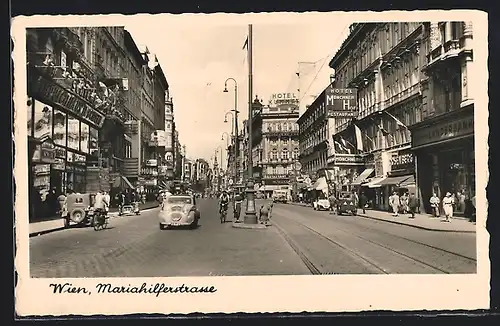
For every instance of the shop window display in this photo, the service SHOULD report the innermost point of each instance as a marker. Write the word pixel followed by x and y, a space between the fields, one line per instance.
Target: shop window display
pixel 43 120
pixel 73 133
pixel 93 141
pixel 84 137
pixel 59 128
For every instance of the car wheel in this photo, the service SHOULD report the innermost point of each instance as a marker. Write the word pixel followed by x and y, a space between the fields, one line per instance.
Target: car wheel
pixel 194 225
pixel 162 227
pixel 354 213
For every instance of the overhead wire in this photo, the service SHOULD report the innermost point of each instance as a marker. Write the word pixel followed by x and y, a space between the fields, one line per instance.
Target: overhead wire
pixel 324 61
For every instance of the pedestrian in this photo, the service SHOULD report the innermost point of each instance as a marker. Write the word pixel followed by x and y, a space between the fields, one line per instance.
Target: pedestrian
pixel 107 201
pixel 238 199
pixel 448 203
pixel 363 201
pixel 333 201
pixel 461 201
pixel 61 199
pixel 395 203
pixel 412 204
pixel 264 213
pixel 404 203
pixel 434 205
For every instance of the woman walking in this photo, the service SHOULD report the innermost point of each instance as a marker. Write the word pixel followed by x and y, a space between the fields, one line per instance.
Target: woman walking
pixel 448 203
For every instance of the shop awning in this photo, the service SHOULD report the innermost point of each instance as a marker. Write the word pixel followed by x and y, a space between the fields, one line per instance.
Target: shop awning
pixel 321 184
pixel 408 182
pixel 126 182
pixel 394 181
pixel 374 183
pixel 362 177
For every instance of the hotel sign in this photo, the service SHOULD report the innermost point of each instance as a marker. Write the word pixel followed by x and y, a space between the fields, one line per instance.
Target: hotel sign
pixel 348 159
pixel 284 98
pixel 67 100
pixel 443 131
pixel 341 102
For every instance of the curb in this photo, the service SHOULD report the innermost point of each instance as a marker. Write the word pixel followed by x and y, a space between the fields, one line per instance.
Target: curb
pixel 412 225
pixel 402 223
pixel 112 215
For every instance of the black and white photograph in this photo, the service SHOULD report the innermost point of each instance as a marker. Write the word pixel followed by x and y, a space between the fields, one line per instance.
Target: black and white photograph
pixel 162 159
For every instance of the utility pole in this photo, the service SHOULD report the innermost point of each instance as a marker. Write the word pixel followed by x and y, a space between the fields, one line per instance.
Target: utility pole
pixel 250 213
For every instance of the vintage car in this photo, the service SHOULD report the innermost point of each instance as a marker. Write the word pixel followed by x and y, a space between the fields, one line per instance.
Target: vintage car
pixel 346 203
pixel 321 203
pixel 78 210
pixel 179 210
pixel 280 197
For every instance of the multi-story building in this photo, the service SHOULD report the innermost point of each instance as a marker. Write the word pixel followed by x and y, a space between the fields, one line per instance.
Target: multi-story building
pixel 383 62
pixel 275 146
pixel 315 131
pixel 169 137
pixel 443 138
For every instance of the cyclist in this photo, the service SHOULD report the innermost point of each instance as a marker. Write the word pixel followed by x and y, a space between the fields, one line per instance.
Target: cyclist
pixel 100 204
pixel 223 201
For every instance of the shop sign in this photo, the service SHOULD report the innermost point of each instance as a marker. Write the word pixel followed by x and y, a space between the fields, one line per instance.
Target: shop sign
pixel 47 151
pixel 443 131
pixel 348 159
pixel 149 171
pixel 59 164
pixel 402 161
pixel 69 101
pixel 341 102
pixel 152 163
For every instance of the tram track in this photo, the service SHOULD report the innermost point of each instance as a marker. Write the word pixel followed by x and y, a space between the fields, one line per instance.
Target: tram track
pixel 313 267
pixel 393 251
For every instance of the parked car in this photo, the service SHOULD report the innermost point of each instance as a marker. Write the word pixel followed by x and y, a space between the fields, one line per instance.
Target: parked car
pixel 346 203
pixel 79 210
pixel 179 210
pixel 320 204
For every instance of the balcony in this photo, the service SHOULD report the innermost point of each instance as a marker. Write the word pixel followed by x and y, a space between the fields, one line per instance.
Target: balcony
pixel 401 96
pixel 70 39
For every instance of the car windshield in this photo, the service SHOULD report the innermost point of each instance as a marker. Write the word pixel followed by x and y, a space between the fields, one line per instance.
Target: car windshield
pixel 179 200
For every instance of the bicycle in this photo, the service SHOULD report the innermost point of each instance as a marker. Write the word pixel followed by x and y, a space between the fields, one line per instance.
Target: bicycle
pixel 223 214
pixel 100 220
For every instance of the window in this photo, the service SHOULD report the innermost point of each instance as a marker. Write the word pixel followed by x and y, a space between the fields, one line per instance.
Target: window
pixel 73 133
pixel 274 154
pixel 296 153
pixel 84 137
pixel 43 120
pixel 285 141
pixel 93 141
pixel 284 154
pixel 60 128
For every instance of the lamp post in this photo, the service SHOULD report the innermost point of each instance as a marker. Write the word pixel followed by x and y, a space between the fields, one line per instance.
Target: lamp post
pixel 235 127
pixel 232 121
pixel 250 213
pixel 232 165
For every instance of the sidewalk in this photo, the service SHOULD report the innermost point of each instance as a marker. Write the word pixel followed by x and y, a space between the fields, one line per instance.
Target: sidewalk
pixel 56 223
pixel 421 221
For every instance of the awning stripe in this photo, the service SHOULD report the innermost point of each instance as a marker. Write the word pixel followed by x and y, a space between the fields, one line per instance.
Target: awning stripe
pixel 127 182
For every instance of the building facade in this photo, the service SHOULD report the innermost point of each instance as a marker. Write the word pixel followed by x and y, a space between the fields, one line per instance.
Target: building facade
pixel 275 145
pixel 409 78
pixel 383 62
pixel 443 142
pixel 169 137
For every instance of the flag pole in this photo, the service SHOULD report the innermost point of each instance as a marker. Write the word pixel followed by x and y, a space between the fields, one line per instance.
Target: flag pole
pixel 250 213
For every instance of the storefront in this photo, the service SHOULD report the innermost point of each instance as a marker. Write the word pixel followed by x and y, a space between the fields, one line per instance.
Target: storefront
pixel 348 168
pixel 445 157
pixel 62 126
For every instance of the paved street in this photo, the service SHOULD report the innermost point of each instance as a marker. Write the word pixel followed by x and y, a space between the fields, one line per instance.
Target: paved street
pixel 357 245
pixel 301 241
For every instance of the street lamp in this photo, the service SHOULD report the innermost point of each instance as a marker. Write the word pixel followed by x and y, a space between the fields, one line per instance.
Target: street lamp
pixel 227 138
pixel 235 126
pixel 232 121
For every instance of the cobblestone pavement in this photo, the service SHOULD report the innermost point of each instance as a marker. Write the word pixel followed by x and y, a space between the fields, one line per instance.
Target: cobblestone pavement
pixel 134 246
pixel 354 245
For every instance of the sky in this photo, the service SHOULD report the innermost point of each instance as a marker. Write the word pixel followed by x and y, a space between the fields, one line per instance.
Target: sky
pixel 198 55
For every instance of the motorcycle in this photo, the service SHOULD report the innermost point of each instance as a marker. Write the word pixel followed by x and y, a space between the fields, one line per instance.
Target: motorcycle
pixel 223 213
